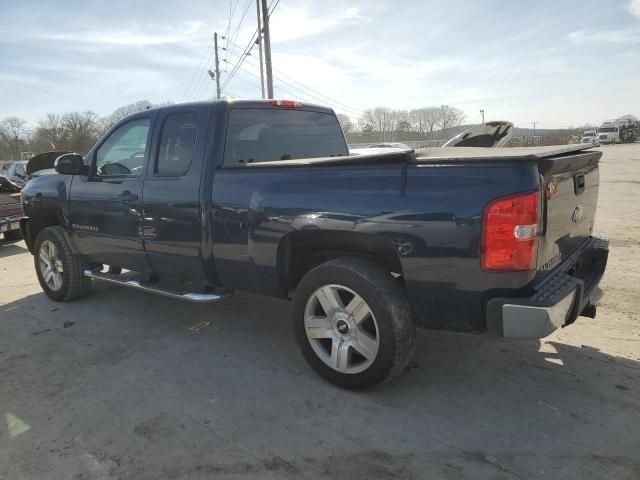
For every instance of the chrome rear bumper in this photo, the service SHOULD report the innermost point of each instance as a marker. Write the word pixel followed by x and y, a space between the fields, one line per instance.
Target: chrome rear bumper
pixel 557 299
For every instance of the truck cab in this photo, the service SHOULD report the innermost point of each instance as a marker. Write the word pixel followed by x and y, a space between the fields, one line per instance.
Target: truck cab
pixel 609 132
pixel 590 136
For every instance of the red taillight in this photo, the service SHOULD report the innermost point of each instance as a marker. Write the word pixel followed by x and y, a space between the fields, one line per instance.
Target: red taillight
pixel 285 103
pixel 510 230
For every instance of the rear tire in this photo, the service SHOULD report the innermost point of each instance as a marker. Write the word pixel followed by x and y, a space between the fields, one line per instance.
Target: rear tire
pixel 59 271
pixel 353 323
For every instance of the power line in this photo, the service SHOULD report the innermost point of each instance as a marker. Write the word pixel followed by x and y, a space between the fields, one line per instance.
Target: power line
pixel 317 94
pixel 248 48
pixel 234 36
pixel 204 81
pixel 198 69
pixel 302 88
pixel 317 97
pixel 231 15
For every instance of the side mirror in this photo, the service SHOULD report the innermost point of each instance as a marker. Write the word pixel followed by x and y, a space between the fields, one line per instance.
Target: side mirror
pixel 70 164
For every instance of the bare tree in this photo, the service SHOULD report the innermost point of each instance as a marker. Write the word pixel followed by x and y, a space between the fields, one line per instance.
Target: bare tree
pixel 424 120
pixel 345 122
pixel 12 132
pixel 381 120
pixel 449 117
pixel 83 130
pixel 53 131
pixel 127 110
pixel 403 121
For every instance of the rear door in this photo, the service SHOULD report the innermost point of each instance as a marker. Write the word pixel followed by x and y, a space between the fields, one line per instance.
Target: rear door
pixel 571 185
pixel 106 207
pixel 172 221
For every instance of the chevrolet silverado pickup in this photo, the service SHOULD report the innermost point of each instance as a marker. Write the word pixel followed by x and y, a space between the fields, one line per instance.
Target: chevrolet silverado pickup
pixel 197 200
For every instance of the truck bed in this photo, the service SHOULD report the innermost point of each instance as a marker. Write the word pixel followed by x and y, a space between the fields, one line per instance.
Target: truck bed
pixel 435 154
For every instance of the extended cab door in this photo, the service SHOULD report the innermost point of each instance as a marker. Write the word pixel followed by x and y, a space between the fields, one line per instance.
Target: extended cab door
pixel 172 221
pixel 106 206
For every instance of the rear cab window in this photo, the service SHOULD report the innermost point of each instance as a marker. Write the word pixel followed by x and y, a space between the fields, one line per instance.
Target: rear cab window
pixel 268 134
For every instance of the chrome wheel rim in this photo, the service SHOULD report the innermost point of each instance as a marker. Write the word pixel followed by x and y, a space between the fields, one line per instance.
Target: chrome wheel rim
pixel 50 265
pixel 341 329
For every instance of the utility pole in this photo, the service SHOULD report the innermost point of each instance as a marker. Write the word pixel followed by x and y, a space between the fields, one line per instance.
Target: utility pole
pixel 482 113
pixel 215 42
pixel 267 48
pixel 259 41
pixel 534 128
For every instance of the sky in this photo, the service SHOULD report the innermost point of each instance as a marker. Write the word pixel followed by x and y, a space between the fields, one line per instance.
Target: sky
pixel 559 63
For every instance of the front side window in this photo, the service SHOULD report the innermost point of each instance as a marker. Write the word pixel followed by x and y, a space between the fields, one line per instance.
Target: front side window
pixel 123 153
pixel 177 144
pixel 264 134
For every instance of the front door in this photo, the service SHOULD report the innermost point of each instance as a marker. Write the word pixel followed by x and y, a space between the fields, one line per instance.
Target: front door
pixel 106 206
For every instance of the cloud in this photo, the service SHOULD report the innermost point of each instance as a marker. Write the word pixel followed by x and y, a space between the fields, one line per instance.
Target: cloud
pixel 133 36
pixel 293 22
pixel 634 8
pixel 624 36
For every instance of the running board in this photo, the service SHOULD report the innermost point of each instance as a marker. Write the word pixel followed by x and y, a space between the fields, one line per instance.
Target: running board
pixel 134 283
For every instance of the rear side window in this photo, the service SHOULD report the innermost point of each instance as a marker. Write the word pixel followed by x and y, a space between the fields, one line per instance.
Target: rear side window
pixel 177 144
pixel 262 135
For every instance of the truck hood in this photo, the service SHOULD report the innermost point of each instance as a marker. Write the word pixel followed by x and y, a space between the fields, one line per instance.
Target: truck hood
pixel 489 135
pixel 43 162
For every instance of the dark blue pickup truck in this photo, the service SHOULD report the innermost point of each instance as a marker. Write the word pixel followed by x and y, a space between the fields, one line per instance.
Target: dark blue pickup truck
pixel 194 201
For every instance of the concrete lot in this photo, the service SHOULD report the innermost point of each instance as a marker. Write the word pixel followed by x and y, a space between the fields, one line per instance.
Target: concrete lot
pixel 117 386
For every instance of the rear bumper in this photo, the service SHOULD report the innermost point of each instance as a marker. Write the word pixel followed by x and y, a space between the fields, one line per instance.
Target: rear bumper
pixel 557 299
pixel 8 224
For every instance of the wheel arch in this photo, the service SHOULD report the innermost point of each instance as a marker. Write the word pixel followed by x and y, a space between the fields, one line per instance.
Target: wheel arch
pixel 301 251
pixel 38 221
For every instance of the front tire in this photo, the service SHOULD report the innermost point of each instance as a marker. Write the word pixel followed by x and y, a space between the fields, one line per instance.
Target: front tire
pixel 353 323
pixel 59 271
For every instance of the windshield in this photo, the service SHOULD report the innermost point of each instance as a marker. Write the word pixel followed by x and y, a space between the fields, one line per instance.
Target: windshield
pixel 265 134
pixel 608 129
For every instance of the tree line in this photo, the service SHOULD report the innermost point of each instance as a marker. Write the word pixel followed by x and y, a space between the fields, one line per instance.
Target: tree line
pixel 72 131
pixel 428 122
pixel 79 131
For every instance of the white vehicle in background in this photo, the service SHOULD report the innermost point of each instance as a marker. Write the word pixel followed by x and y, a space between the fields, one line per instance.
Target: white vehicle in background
pixel 609 132
pixel 590 136
pixel 625 129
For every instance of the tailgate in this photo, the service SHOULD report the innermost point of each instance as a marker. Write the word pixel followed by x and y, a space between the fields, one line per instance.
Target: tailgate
pixel 570 185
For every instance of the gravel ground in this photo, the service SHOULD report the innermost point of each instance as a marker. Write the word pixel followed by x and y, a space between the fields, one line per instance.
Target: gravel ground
pixel 118 386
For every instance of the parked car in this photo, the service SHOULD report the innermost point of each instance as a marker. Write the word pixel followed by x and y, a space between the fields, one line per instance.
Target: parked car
pixel 10 215
pixel 262 196
pixel 14 177
pixel 12 180
pixel 397 145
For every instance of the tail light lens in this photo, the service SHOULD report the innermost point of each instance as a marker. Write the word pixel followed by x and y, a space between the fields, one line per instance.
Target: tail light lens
pixel 510 231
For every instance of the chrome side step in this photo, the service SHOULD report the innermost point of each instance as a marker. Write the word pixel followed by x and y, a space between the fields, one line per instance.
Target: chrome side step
pixel 135 283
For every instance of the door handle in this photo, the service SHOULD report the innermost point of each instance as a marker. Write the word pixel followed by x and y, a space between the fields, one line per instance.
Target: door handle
pixel 127 196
